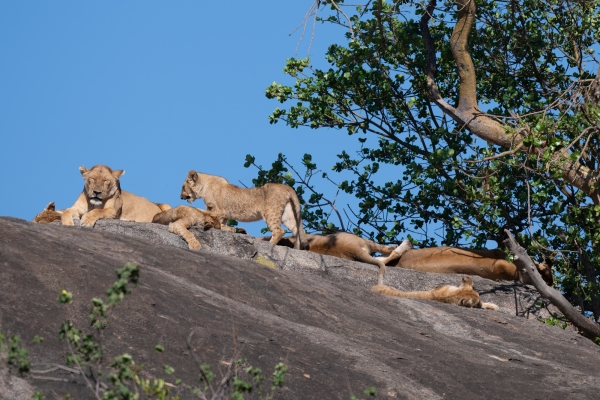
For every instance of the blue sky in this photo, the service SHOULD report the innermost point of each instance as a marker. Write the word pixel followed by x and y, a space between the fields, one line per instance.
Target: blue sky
pixel 156 88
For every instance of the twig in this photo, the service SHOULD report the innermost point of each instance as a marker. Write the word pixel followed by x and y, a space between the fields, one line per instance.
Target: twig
pixel 348 19
pixel 54 368
pixel 505 153
pixel 198 362
pixel 49 378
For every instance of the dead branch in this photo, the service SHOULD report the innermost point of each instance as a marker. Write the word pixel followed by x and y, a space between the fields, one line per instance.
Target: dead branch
pixel 521 259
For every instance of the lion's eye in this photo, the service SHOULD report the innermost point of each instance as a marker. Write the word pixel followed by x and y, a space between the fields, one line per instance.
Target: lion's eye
pixel 106 181
pixel 92 180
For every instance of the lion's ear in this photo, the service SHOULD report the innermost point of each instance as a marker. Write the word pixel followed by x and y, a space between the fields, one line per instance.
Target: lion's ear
pixel 118 173
pixel 192 176
pixel 467 282
pixel 50 206
pixel 83 170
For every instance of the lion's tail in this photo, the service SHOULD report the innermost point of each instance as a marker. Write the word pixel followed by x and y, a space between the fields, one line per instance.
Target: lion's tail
pixel 164 217
pixel 390 291
pixel 301 243
pixel 163 206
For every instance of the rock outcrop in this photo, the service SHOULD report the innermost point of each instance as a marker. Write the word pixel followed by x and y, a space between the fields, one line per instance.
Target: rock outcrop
pixel 314 313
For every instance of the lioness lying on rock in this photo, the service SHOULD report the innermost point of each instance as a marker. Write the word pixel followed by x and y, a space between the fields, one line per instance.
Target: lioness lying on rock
pixel 102 198
pixel 50 214
pixel 463 295
pixel 489 264
pixel 350 247
pixel 181 218
pixel 275 203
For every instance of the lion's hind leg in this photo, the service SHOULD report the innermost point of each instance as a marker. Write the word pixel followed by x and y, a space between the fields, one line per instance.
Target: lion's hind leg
pixel 274 218
pixel 397 252
pixel 291 219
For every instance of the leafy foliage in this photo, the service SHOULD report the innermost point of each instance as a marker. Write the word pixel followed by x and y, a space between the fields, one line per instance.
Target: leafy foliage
pixel 13 354
pixel 535 63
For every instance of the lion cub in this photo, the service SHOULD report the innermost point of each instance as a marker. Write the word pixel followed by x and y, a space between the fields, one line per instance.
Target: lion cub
pixel 181 218
pixel 50 214
pixel 275 203
pixel 464 295
pixel 102 198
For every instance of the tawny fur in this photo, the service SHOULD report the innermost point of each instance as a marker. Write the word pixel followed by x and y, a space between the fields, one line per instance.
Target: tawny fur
pixel 102 198
pixel 351 247
pixel 275 203
pixel 488 264
pixel 463 295
pixel 181 218
pixel 50 214
pixel 163 207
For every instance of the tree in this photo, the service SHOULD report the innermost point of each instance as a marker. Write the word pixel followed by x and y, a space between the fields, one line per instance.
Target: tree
pixel 489 112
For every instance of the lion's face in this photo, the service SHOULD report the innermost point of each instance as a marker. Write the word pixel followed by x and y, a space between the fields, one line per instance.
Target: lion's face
pixel 212 221
pixel 187 190
pixel 545 269
pixel 470 300
pixel 101 183
pixel 468 297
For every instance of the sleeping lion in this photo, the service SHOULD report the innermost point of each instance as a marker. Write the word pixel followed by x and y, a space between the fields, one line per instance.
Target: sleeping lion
pixel 463 295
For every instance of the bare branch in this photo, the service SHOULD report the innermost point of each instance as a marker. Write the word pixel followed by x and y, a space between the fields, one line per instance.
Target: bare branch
pixel 527 267
pixel 505 153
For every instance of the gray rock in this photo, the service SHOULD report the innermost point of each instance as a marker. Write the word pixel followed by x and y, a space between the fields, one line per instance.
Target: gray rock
pixel 512 298
pixel 335 336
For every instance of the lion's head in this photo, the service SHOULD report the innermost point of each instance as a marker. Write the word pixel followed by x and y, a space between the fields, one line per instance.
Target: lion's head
pixel 545 269
pixel 187 190
pixel 467 296
pixel 101 183
pixel 48 215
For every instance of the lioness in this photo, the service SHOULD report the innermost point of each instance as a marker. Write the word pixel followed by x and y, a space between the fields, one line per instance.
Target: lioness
pixel 181 218
pixel 351 247
pixel 102 198
pixel 488 264
pixel 275 203
pixel 50 214
pixel 463 295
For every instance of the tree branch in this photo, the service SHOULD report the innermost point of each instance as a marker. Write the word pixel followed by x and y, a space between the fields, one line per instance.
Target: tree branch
pixel 470 117
pixel 526 266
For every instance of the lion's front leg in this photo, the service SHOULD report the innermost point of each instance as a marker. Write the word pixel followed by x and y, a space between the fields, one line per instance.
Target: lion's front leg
pixel 75 211
pixel 67 217
pixel 91 217
pixel 180 228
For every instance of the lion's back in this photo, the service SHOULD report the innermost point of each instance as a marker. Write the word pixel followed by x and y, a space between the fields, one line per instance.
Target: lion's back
pixel 137 208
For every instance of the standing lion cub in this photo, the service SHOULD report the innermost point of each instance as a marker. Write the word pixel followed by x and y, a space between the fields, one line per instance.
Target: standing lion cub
pixel 102 198
pixel 275 203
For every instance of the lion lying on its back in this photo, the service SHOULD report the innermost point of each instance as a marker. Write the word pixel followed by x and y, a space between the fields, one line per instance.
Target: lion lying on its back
pixel 102 198
pixel 463 295
pixel 350 247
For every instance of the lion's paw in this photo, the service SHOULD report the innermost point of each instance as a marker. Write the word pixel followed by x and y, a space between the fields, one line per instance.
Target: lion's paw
pixel 68 222
pixel 194 245
pixel 88 221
